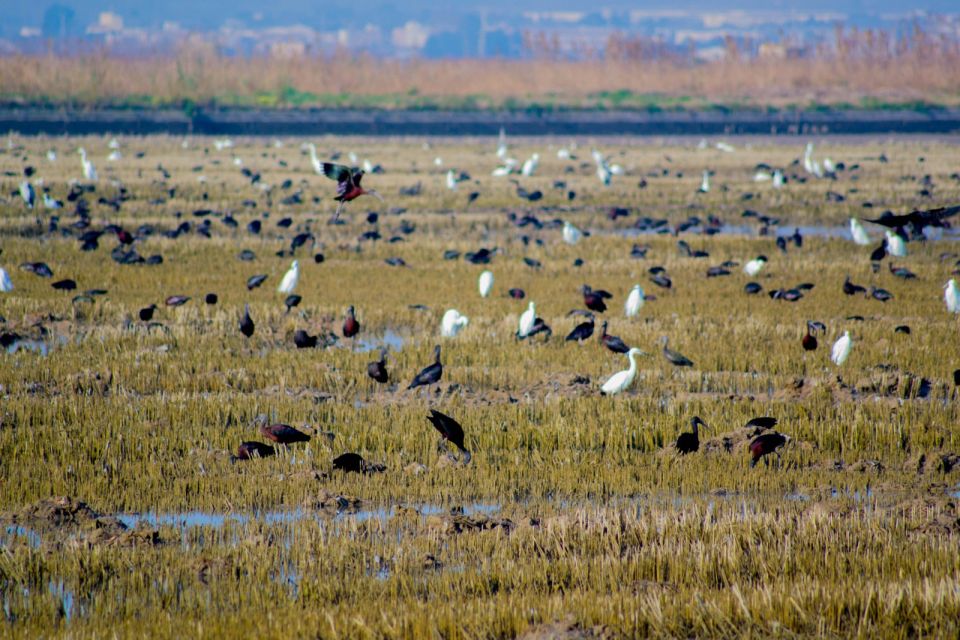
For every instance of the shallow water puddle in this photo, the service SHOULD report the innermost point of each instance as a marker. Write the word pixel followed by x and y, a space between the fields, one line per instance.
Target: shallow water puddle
pixel 389 340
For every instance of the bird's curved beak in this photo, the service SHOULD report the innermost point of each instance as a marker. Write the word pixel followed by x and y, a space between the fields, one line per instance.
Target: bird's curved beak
pixel 376 195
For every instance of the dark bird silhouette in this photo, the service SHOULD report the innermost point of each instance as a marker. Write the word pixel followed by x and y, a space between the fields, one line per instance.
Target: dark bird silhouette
pixel 304 340
pixel 761 423
pixel 517 294
pixel 255 281
pixel 752 288
pixel 350 325
pixel 246 322
pixel 850 288
pixel 378 369
pixel 451 430
pixel 880 252
pixel 350 463
pixel 252 449
pixel 765 444
pixel 38 268
pixel 146 314
pixel 675 357
pixel 64 285
pixel 582 331
pixel 661 280
pixel 348 184
pixel 283 433
pixel 689 442
pixel 431 374
pixel 880 294
pixel 613 343
pixel 901 272
pixel 915 221
pixel 593 300
pixel 211 298
pixel 176 301
pixel 956 377
pixel 291 301
pixel 809 340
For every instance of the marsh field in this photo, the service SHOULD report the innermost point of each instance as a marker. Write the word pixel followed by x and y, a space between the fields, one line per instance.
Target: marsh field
pixel 123 514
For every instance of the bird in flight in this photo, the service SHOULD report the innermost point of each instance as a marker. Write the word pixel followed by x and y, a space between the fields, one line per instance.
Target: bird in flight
pixel 348 184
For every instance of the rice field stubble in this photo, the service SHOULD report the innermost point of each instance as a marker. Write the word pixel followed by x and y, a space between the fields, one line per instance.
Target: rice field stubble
pixel 576 517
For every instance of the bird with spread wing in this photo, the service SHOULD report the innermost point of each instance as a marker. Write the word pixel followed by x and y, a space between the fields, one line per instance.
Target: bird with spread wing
pixel 348 184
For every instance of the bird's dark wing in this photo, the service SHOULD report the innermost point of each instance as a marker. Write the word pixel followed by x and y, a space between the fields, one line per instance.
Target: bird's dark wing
pixel 357 176
pixel 339 172
pixel 891 220
pixel 447 426
pixel 933 216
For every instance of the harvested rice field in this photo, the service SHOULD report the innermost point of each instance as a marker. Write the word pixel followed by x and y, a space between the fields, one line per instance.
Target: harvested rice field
pixel 140 351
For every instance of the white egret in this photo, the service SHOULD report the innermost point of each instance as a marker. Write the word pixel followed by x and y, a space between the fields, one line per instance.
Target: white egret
pixel 527 318
pixel 571 235
pixel 290 278
pixel 438 161
pixel 563 154
pixel 502 144
pixel 635 300
pixel 841 349
pixel 367 166
pixel 725 147
pixel 753 267
pixel 114 143
pixel 530 166
pixel 860 235
pixel 50 202
pixel 89 171
pixel 604 173
pixel 485 283
pixel 762 176
pixel 451 180
pixel 51 156
pixel 28 194
pixel 114 156
pixel 622 379
pixel 6 284
pixel 705 183
pixel 951 296
pixel 453 322
pixel 777 179
pixel 829 166
pixel 314 160
pixel 895 245
pixel 808 158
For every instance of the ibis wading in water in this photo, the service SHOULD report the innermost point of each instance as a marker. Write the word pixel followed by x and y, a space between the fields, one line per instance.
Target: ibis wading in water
pixel 348 184
pixel 622 379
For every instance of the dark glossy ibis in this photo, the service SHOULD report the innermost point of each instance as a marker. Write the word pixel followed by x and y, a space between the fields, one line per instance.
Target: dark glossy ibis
pixel 350 325
pixel 146 314
pixel 348 184
pixel 350 463
pixel 251 450
pixel 517 294
pixel 451 430
pixel 689 442
pixel 593 300
pixel 850 288
pixel 765 444
pixel 431 374
pixel 283 433
pixel 809 341
pixel 64 285
pixel 675 357
pixel 761 423
pixel 752 288
pixel 304 340
pixel 661 280
pixel 176 301
pixel 38 268
pixel 291 301
pixel 255 281
pixel 378 369
pixel 246 322
pixel 582 331
pixel 211 298
pixel 880 294
pixel 613 343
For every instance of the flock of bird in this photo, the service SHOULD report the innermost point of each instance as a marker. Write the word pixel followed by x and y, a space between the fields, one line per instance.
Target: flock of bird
pixel 899 230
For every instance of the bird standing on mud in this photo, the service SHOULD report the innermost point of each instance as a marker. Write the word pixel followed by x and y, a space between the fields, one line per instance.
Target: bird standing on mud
pixel 430 374
pixel 348 184
pixel 450 430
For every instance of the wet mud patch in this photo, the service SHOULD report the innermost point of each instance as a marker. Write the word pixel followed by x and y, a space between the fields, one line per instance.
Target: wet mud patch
pixel 65 520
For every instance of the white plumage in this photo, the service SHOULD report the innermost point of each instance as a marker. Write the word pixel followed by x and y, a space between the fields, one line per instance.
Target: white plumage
pixel 705 182
pixel 635 300
pixel 530 166
pixel 485 283
pixel 453 322
pixel 952 296
pixel 290 278
pixel 860 235
pixel 28 194
pixel 6 284
pixel 895 245
pixel 622 379
pixel 571 235
pixel 89 171
pixel 753 267
pixel 451 180
pixel 314 160
pixel 841 349
pixel 777 179
pixel 527 318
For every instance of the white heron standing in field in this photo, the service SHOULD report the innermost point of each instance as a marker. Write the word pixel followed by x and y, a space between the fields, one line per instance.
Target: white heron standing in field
pixel 290 278
pixel 502 144
pixel 951 295
pixel 452 323
pixel 753 267
pixel 314 160
pixel 6 284
pixel 527 319
pixel 777 179
pixel 51 156
pixel 485 283
pixel 622 379
pixel 89 171
pixel 451 180
pixel 635 300
pixel 571 235
pixel 530 166
pixel 860 235
pixel 895 245
pixel 28 194
pixel 841 349
pixel 705 182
